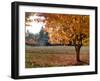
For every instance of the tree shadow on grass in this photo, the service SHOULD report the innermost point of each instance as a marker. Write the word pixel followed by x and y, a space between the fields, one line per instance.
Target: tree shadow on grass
pixel 81 63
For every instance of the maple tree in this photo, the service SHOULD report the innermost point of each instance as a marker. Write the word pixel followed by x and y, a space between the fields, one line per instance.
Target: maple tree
pixel 67 29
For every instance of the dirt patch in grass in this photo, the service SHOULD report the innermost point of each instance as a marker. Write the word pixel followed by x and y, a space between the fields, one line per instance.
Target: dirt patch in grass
pixel 54 56
pixel 50 60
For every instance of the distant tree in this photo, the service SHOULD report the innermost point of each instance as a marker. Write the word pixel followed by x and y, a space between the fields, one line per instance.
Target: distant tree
pixel 43 37
pixel 41 33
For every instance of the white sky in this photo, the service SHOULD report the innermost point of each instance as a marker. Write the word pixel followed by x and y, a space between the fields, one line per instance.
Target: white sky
pixel 35 26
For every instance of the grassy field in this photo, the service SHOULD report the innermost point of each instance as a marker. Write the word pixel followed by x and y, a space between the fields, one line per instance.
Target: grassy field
pixel 49 56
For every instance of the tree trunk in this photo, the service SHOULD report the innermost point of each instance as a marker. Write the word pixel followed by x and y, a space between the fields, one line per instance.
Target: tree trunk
pixel 77 48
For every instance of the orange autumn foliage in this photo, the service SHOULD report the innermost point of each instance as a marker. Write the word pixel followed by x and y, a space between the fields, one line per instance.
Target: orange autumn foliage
pixel 63 28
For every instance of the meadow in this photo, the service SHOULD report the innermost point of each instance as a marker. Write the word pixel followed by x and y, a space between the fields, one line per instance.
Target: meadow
pixel 54 56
